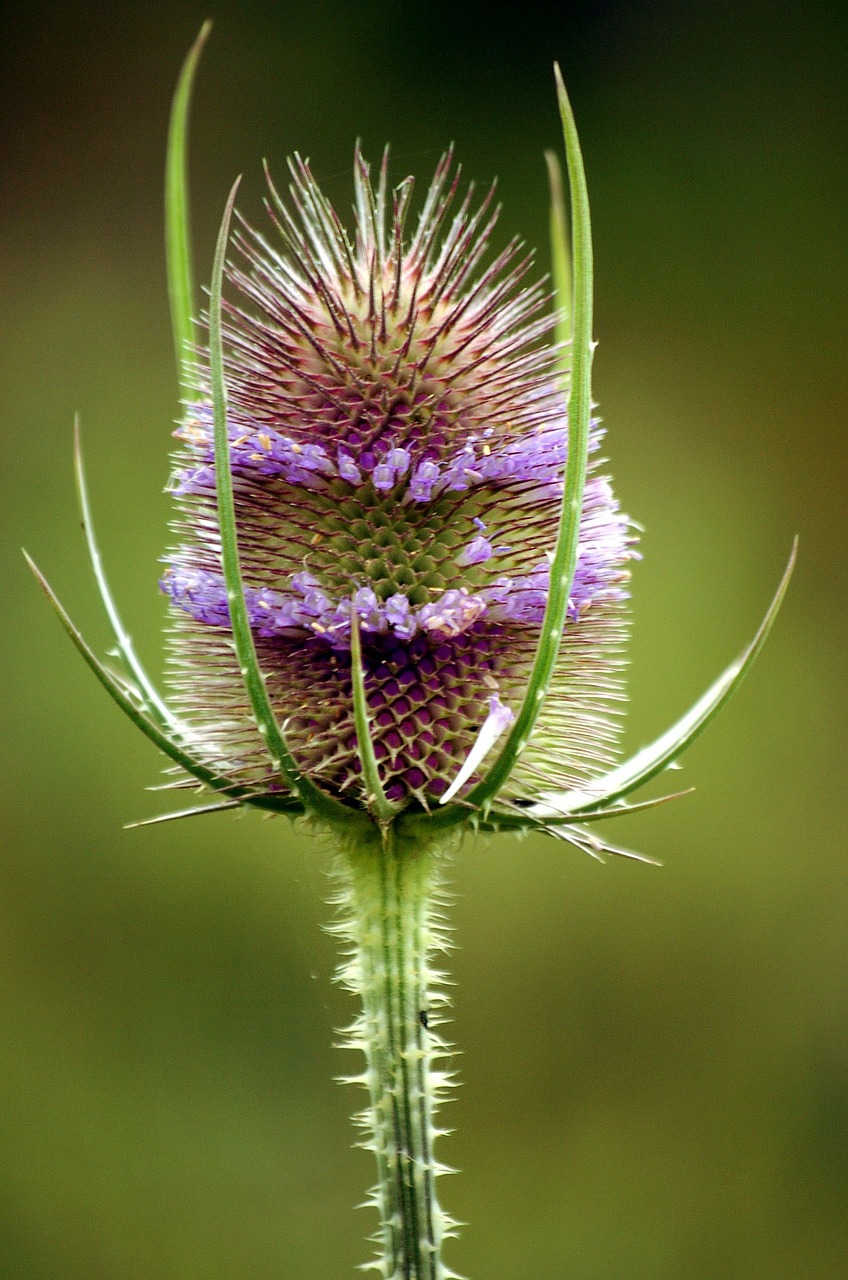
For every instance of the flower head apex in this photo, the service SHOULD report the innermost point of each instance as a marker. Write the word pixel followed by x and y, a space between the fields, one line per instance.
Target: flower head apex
pixel 398 585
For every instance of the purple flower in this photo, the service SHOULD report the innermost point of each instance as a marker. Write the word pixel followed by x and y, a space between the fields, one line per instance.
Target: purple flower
pixel 397 439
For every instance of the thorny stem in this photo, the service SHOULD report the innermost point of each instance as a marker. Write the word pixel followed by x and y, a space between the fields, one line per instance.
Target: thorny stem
pixel 391 925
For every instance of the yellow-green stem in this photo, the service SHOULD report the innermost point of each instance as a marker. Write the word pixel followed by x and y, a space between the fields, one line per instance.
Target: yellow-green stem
pixel 391 926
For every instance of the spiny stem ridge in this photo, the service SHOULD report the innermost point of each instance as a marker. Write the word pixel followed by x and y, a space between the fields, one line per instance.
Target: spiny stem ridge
pixel 391 925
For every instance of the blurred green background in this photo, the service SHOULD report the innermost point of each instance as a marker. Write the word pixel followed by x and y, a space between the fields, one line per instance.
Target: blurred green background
pixel 655 1062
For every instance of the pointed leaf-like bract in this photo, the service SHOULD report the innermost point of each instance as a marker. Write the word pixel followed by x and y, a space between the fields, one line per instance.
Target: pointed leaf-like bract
pixel 183 813
pixel 177 233
pixel 560 259
pixel 579 281
pixel 150 698
pixel 166 744
pixel 375 795
pixel 315 801
pixel 550 815
pixel 663 752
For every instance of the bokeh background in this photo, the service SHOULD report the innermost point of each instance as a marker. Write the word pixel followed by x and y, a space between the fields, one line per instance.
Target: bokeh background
pixel 655 1062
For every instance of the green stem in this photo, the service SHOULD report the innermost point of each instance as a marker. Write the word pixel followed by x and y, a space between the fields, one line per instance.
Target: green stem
pixel 390 923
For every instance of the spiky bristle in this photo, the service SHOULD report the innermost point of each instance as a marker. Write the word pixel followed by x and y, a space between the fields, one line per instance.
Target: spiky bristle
pixel 397 440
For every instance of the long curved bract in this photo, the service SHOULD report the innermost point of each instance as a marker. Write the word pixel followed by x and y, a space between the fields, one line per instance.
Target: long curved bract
pixel 129 699
pixel 151 699
pixel 573 290
pixel 314 800
pixel 178 257
pixel 661 754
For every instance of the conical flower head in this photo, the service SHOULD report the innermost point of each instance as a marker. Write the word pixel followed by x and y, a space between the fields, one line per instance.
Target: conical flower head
pixel 397 430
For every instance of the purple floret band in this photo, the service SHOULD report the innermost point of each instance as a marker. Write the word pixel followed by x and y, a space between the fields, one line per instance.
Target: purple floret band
pixel 306 608
pixel 537 458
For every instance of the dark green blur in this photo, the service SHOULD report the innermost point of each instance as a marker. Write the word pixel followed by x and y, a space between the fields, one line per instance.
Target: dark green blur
pixel 655 1062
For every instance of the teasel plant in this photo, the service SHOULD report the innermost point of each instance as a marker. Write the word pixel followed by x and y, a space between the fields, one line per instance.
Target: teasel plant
pixel 398 584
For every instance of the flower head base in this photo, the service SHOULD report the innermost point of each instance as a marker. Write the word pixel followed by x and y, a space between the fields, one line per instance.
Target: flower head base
pixel 397 439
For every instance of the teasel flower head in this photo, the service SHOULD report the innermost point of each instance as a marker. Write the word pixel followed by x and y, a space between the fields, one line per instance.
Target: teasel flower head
pixel 399 576
pixel 397 429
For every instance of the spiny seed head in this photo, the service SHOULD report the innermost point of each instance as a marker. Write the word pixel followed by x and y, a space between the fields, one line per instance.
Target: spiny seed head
pixel 397 429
